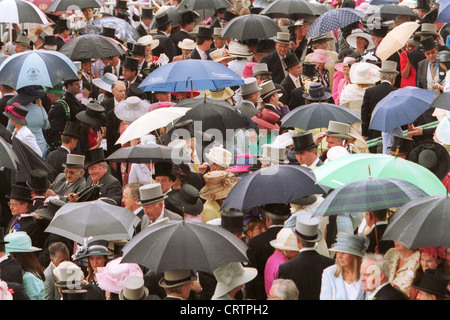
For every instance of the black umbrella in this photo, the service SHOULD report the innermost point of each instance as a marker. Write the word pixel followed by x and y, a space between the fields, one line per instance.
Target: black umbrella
pixel 421 223
pixel 176 245
pixel 318 115
pixel 124 30
pixel 292 9
pixel 251 26
pixel 91 46
pixel 442 101
pixel 392 11
pixel 148 153
pixel 273 184
pixel 195 5
pixel 173 14
pixel 8 158
pixel 63 5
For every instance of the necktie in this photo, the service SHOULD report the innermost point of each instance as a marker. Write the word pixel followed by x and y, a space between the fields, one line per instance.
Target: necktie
pixel 433 68
pixel 297 82
pixel 195 164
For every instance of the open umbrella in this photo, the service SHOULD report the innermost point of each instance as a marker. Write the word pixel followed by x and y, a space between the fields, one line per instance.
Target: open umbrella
pixel 149 122
pixel 97 219
pixel 444 12
pixel 443 130
pixel 333 20
pixel 400 107
pixel 38 67
pixel 368 194
pixel 176 245
pixel 195 5
pixel 250 26
pixel 396 39
pixel 442 101
pixel 21 11
pixel 359 166
pixel 63 5
pixel 318 115
pixel 8 158
pixel 272 184
pixel 292 9
pixel 421 223
pixel 190 74
pixel 390 11
pixel 91 46
pixel 124 30
pixel 148 153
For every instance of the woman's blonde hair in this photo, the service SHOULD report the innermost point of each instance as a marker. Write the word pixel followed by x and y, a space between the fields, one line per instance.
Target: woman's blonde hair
pixel 356 266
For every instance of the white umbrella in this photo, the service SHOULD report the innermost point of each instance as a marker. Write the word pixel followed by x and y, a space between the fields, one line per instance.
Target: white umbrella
pixel 396 39
pixel 151 121
pixel 21 11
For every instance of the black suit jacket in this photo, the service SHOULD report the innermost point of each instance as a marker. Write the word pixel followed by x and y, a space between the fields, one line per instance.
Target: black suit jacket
pixel 3 103
pixel 275 66
pixel 56 158
pixel 108 69
pixel 165 46
pixel 296 98
pixel 110 187
pixel 112 126
pixel 141 30
pixel 196 55
pixel 306 271
pixel 421 75
pixel 75 106
pixel 388 292
pixel 11 270
pixel 30 226
pixel 383 245
pixel 178 36
pixel 59 42
pixel 288 86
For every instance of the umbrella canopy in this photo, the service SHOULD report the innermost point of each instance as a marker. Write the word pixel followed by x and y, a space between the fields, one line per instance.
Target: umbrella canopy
pixel 97 219
pixel 21 11
pixel 369 195
pixel 292 9
pixel 63 5
pixel 172 12
pixel 8 158
pixel 442 101
pixel 250 26
pixel 190 74
pixel 91 46
pixel 359 166
pixel 176 245
pixel 38 67
pixel 421 223
pixel 149 122
pixel 381 2
pixel 443 130
pixel 390 11
pixel 124 30
pixel 444 12
pixel 194 5
pixel 333 20
pixel 148 153
pixel 400 107
pixel 318 115
pixel 272 184
pixel 396 39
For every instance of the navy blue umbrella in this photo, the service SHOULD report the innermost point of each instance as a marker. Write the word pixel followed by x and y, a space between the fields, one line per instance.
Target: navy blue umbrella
pixel 400 107
pixel 333 20
pixel 444 12
pixel 381 2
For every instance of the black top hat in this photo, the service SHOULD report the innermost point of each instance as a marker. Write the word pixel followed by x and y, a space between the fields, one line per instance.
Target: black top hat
pixel 50 41
pixel 108 32
pixel 20 192
pixel 431 16
pixel 92 114
pixel 138 49
pixel 278 209
pixel 186 200
pixel 147 13
pixel 27 95
pixel 423 4
pixel 291 60
pixel 434 282
pixel 317 92
pixel 188 17
pixel 229 15
pixel 61 25
pixel 94 156
pixel 162 20
pixel 428 44
pixel 131 63
pixel 2 236
pixel 16 112
pixel 205 32
pixel 38 180
pixel 303 141
pixel 265 45
pixel 73 129
pixel 432 156
pixel 232 221
pixel 379 31
pixel 164 169
pixel 309 69
pixel 403 144
pixel 48 211
pixel 121 4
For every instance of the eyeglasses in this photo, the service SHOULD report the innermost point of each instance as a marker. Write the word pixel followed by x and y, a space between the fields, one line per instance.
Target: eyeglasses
pixel 71 172
pixel 13 204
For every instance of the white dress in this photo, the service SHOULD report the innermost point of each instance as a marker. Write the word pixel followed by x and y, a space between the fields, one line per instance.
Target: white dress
pixel 26 136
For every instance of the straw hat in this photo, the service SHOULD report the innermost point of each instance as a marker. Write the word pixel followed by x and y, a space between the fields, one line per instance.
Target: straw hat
pixel 110 278
pixel 320 56
pixel 219 55
pixel 364 73
pixel 217 185
pixel 148 39
pixel 285 240
pixel 222 94
pixel 231 276
pixel 350 243
pixel 131 108
pixel 187 44
pixel 239 50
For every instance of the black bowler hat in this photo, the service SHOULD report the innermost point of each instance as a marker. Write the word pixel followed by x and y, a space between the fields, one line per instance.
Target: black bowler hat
pixel 48 211
pixel 232 221
pixel 147 13
pixel 131 63
pixel 20 192
pixel 432 156
pixel 73 129
pixel 138 49
pixel 94 156
pixel 303 141
pixel 162 20
pixel 38 180
pixel 403 144
pixel 291 60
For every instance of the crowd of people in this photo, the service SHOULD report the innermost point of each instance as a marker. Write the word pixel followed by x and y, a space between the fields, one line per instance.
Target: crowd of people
pixel 73 127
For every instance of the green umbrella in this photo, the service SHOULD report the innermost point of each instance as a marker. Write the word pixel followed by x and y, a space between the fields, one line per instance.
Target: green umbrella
pixel 359 166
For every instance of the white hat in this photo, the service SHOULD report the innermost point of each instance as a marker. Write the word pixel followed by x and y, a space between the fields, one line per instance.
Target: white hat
pixel 131 108
pixel 148 39
pixel 231 276
pixel 351 39
pixel 220 156
pixel 285 240
pixel 307 227
pixel 284 140
pixel 105 82
pixel 364 73
pixel 187 44
pixel 239 50
pixel 336 152
pixel 219 55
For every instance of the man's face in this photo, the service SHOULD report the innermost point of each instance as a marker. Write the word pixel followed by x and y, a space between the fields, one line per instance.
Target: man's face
pixel 333 142
pixel 370 276
pixel 73 174
pixel 153 210
pixel 88 13
pixel 166 183
pixel 20 48
pixel 114 61
pixel 147 21
pixel 321 45
pixel 163 96
pixel 219 42
pixel 296 70
pixel 17 207
pixel 60 257
pixel 86 66
pixel 119 91
pixel 128 74
pixel 431 55
pixel 97 171
pixel 127 200
pixel 282 48
pixel 306 157
pixel 74 88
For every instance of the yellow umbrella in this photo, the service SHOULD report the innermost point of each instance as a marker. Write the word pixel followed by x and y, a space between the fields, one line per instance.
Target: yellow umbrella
pixel 396 39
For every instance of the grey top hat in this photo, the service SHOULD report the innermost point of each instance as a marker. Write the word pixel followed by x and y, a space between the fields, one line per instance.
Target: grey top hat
pixel 250 86
pixel 74 161
pixel 307 228
pixel 339 130
pixel 268 88
pixel 350 243
pixel 283 37
pixel 260 68
pixel 388 66
pixel 175 278
pixel 150 193
pixel 133 289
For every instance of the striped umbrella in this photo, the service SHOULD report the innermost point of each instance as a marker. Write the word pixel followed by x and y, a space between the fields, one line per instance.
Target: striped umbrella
pixel 20 11
pixel 39 67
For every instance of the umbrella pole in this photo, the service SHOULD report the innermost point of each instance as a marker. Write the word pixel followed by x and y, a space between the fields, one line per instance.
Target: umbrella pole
pixel 377 250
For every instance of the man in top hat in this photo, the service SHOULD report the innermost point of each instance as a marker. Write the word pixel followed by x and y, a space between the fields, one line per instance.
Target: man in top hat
pixel 187 26
pixel 62 32
pixel 270 96
pixel 10 268
pixel 97 168
pixel 23 43
pixel 275 60
pixel 73 88
pixel 130 199
pixel 429 72
pixel 138 52
pixel 39 185
pixel 163 27
pixel 121 10
pixel 72 179
pixel 250 94
pixel 58 115
pixel 433 285
pixel 305 149
pixel 114 66
pixel 338 134
pixel 204 42
pixel 130 71
pixel 164 176
pixel 307 267
pixel 152 199
pixel 178 284
pixel 219 42
pixel 146 20
pixel 375 94
pixel 292 80
pixel 422 8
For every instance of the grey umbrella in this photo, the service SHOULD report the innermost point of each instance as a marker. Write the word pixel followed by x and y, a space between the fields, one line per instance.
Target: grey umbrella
pixel 148 153
pixel 8 157
pixel 91 46
pixel 63 5
pixel 421 223
pixel 176 245
pixel 250 26
pixel 93 219
pixel 124 31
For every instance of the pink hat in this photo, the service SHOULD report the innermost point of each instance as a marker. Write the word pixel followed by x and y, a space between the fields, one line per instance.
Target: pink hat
pixel 347 60
pixel 320 56
pixel 243 162
pixel 248 70
pixel 110 278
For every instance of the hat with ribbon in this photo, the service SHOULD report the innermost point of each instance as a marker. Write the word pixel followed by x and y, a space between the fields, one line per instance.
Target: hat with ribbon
pixel 283 37
pixel 150 193
pixel 175 278
pixel 69 275
pixel 220 156
pixel 307 227
pixel 320 56
pixel 217 184
pixel 250 86
pixel 339 130
pixel 220 55
pixel 133 288
pixel 364 73
pixel 243 163
pixel 317 92
pixel 260 69
pixel 267 118
pixel 345 63
pixel 187 44
pixel 16 112
pixel 239 50
pixel 268 88
pixel 75 161
pixel 92 248
pixel 105 82
pixel 148 40
pixel 111 276
pixel 359 33
pixel 131 108
pixel 231 276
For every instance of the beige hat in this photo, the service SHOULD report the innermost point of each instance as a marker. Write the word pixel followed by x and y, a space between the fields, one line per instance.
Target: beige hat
pixel 148 39
pixel 339 130
pixel 133 289
pixel 364 73
pixel 217 33
pixel 239 50
pixel 358 33
pixel 187 44
pixel 282 37
pixel 175 278
pixel 388 66
pixel 218 184
pixel 220 55
pixel 285 240
pixel 220 156
pixel 222 94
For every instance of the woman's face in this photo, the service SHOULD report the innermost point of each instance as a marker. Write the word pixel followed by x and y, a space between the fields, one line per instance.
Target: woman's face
pixel 361 43
pixel 345 259
pixel 428 262
pixel 320 65
pixel 346 72
pixel 97 261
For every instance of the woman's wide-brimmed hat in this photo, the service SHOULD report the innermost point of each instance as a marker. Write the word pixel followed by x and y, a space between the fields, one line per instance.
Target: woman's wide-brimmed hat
pixel 239 50
pixel 320 56
pixel 16 112
pixel 432 156
pixel 267 118
pixel 345 63
pixel 175 278
pixel 217 185
pixel 92 115
pixel 93 248
pixel 220 156
pixel 351 243
pixel 131 108
pixel 285 240
pixel 111 276
pixel 231 276
pixel 148 40
pixel 358 33
pixel 243 163
pixel 220 55
pixel 19 241
pixel 221 94
pixel 27 95
pixel 187 44
pixel 364 73
pixel 186 200
pixel 69 275
pixel 105 82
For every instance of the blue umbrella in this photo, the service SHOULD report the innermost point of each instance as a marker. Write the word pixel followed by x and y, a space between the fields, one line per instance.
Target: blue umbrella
pixel 333 20
pixel 191 74
pixel 444 12
pixel 400 107
pixel 381 2
pixel 124 30
pixel 39 67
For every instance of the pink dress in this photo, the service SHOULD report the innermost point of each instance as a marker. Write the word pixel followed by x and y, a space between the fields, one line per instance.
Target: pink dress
pixel 271 269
